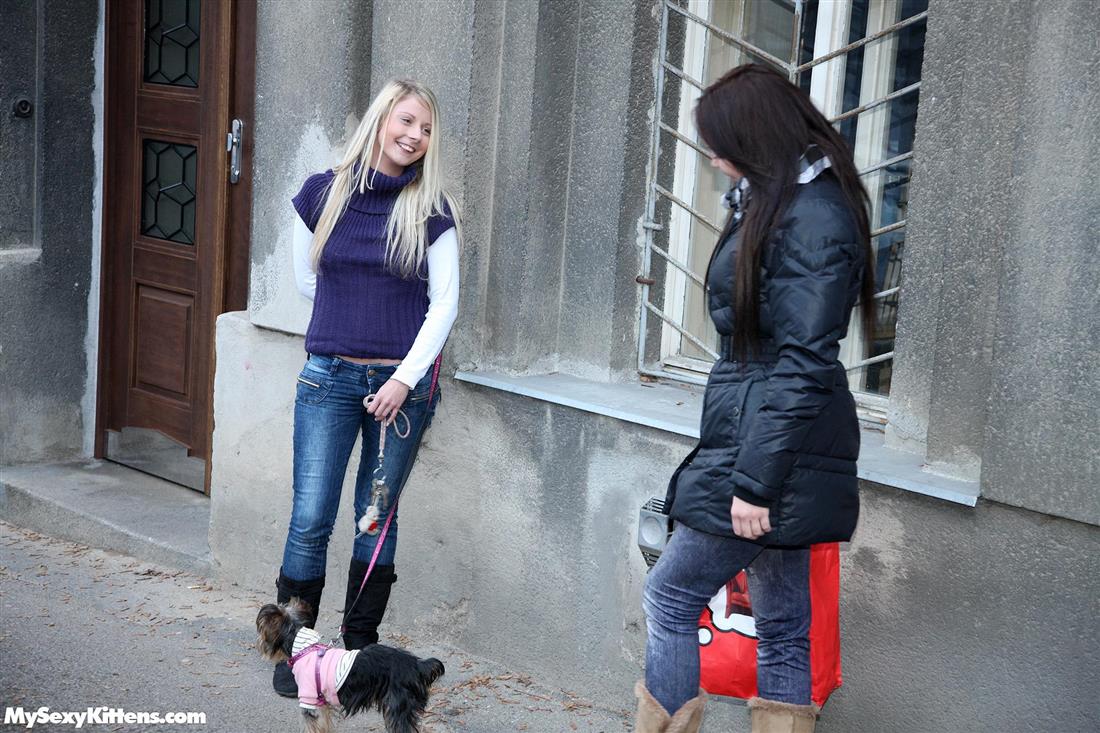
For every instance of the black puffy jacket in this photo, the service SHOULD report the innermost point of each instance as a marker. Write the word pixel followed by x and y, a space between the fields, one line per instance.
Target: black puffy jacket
pixel 780 430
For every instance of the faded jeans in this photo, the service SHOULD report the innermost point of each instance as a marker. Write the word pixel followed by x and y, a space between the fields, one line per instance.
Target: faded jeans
pixel 328 417
pixel 690 571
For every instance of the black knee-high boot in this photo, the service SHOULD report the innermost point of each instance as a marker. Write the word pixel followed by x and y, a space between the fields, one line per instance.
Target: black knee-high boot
pixel 310 592
pixel 361 622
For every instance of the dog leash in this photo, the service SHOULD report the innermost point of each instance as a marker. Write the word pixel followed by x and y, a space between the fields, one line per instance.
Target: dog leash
pixel 320 649
pixel 368 523
pixel 393 509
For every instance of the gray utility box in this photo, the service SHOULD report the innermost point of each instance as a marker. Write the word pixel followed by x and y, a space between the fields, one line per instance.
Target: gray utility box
pixel 654 530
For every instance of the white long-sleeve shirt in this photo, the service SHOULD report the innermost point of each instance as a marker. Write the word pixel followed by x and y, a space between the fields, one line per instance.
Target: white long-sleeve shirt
pixel 442 294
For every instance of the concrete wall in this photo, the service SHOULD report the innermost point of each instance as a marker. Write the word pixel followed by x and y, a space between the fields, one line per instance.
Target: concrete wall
pixel 1042 439
pixel 966 619
pixel 19 135
pixel 303 111
pixel 561 255
pixel 999 307
pixel 45 226
pixel 517 543
pixel 518 526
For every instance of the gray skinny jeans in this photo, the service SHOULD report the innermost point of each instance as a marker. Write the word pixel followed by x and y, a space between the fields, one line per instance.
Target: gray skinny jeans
pixel 690 571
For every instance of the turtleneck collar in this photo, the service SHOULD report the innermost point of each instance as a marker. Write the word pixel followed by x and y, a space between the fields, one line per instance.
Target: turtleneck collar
pixel 379 198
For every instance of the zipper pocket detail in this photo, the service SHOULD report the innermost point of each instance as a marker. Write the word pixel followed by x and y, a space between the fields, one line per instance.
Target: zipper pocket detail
pixel 311 384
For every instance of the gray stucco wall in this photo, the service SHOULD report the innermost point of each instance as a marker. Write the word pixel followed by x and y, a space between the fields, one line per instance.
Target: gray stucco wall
pixel 518 526
pixel 517 543
pixel 45 259
pixel 541 146
pixel 999 309
pixel 562 254
pixel 966 619
pixel 18 135
pixel 1042 437
pixel 310 80
pixel 305 112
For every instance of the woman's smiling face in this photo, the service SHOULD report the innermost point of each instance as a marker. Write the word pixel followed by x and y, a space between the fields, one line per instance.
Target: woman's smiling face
pixel 407 134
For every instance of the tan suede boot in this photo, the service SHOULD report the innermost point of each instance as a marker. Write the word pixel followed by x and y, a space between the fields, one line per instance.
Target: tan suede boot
pixel 771 716
pixel 653 718
pixel 689 718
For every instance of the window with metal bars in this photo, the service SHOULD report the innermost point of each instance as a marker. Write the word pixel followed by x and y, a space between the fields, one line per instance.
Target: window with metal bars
pixel 860 62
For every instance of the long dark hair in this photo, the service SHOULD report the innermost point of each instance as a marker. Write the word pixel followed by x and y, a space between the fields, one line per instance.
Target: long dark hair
pixel 763 124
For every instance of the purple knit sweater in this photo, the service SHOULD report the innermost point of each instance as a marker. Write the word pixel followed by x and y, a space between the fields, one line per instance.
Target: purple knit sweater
pixel 361 308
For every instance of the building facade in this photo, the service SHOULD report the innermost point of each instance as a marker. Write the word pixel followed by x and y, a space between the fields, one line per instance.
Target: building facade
pixel 572 378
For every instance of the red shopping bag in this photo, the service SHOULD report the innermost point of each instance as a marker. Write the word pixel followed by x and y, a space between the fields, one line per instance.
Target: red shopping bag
pixel 727 635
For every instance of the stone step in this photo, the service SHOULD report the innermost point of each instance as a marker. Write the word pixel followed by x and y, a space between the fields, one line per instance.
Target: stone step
pixel 112 507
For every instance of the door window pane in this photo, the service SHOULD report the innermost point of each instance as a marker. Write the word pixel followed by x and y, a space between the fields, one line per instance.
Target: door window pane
pixel 168 191
pixel 172 42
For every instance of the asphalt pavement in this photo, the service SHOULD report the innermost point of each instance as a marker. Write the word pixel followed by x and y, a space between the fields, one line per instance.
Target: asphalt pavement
pixel 83 628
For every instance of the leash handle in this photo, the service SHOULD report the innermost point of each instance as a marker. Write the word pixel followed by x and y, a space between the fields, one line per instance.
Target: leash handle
pixel 393 509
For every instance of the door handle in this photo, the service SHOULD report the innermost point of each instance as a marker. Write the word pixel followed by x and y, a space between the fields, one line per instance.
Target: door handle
pixel 233 141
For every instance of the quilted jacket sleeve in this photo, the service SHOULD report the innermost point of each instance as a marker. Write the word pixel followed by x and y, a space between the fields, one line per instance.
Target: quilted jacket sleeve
pixel 809 280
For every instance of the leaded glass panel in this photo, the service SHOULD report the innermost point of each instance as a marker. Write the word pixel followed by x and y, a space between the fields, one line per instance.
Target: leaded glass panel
pixel 168 191
pixel 172 42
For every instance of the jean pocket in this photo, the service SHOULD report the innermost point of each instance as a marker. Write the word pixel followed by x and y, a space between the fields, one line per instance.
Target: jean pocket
pixel 315 365
pixel 422 390
pixel 311 390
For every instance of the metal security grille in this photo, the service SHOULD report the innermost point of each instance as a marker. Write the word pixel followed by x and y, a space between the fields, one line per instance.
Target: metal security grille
pixel 860 62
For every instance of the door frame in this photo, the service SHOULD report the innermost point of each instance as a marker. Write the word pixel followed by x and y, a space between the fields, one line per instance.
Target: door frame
pixel 235 261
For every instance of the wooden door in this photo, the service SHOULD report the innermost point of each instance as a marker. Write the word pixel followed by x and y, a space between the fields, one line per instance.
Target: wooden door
pixel 179 74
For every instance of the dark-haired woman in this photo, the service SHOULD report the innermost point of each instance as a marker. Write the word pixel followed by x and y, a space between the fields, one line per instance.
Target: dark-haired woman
pixel 775 470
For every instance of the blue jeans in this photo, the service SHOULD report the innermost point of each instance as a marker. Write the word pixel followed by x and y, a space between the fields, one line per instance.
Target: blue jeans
pixel 693 566
pixel 328 417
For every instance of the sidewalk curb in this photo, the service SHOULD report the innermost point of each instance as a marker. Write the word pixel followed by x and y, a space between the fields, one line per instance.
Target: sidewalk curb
pixel 112 508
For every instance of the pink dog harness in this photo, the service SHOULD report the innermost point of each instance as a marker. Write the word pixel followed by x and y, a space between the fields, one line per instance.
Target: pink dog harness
pixel 319 670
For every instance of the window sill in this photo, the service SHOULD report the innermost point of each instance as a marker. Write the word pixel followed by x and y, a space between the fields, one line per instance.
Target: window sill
pixel 675 408
pixel 20 255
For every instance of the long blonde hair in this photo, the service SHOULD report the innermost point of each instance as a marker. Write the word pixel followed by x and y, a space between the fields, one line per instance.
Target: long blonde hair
pixel 425 195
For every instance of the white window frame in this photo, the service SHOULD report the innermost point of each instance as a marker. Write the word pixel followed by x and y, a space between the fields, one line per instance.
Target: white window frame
pixel 827 71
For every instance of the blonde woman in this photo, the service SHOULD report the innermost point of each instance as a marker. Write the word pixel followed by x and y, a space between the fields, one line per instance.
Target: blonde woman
pixel 376 250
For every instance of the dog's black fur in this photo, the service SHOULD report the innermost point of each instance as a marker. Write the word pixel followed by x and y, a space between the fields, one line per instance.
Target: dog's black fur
pixel 390 680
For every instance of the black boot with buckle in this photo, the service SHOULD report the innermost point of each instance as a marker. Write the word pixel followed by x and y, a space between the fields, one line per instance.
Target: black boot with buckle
pixel 310 592
pixel 361 621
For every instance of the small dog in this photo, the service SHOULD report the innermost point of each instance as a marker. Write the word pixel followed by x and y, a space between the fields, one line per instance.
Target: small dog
pixel 330 679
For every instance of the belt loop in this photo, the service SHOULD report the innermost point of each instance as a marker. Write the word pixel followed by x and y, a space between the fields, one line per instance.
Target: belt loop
pixel 334 366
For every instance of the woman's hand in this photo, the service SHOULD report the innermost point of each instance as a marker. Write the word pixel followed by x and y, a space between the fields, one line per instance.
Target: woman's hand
pixel 749 521
pixel 388 400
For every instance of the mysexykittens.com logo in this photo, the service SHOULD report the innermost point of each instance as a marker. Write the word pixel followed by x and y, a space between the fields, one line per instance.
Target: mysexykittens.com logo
pixel 96 716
